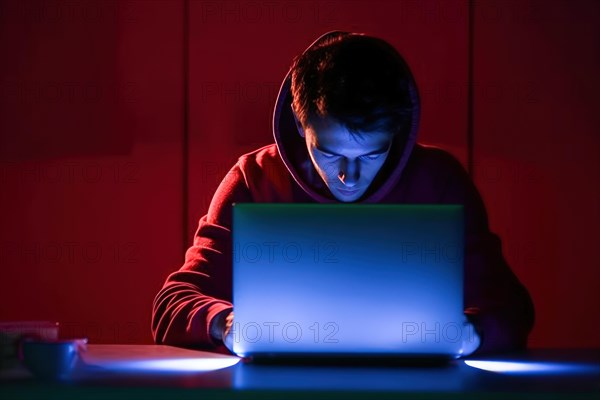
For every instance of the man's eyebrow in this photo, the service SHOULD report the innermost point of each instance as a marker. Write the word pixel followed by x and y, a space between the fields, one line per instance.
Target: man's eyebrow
pixel 378 151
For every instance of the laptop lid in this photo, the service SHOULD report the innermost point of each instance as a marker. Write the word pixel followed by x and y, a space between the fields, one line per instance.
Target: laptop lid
pixel 348 279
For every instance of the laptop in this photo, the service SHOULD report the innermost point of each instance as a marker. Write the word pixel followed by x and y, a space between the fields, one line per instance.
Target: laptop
pixel 348 280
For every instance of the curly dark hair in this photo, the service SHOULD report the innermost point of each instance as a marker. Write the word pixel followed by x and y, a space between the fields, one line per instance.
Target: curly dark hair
pixel 361 81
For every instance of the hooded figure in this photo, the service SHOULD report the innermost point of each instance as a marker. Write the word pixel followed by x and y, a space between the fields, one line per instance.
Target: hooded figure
pixel 332 145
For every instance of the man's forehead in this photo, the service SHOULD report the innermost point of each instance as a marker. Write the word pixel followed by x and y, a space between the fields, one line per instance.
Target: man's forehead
pixel 328 132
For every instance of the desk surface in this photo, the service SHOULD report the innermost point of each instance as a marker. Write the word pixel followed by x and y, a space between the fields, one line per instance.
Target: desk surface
pixel 161 371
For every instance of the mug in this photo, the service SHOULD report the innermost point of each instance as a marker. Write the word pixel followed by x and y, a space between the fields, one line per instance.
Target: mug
pixel 12 333
pixel 53 359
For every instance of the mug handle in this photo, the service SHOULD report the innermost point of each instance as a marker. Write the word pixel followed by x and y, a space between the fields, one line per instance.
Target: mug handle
pixel 22 339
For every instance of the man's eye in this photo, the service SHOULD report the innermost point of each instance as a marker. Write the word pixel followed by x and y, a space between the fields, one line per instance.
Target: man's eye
pixel 327 155
pixel 371 157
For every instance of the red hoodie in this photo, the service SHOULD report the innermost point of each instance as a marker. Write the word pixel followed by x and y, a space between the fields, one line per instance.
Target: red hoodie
pixel 282 172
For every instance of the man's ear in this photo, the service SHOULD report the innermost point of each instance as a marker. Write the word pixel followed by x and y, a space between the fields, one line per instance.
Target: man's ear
pixel 298 124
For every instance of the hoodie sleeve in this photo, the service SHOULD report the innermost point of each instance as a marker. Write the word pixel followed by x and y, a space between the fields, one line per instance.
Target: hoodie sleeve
pixel 496 302
pixel 201 289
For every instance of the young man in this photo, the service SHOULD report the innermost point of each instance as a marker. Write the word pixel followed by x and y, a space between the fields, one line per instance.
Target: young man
pixel 345 127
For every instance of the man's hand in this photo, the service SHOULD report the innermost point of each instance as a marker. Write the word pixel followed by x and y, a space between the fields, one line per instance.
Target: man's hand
pixel 221 325
pixel 470 338
pixel 227 332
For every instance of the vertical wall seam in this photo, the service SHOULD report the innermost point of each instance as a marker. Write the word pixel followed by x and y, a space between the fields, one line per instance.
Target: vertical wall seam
pixel 470 86
pixel 185 133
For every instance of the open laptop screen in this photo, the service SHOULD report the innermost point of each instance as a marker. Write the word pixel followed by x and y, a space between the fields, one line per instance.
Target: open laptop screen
pixel 359 279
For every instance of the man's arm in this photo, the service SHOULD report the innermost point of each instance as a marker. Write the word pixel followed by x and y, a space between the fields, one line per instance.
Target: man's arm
pixel 200 291
pixel 496 302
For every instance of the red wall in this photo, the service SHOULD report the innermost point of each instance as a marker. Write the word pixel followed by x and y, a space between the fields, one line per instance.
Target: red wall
pixel 90 162
pixel 537 155
pixel 97 207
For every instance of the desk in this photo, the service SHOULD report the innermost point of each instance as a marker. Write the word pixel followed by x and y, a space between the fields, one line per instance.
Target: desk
pixel 145 371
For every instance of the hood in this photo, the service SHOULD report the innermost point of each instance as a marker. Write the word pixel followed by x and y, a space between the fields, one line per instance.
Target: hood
pixel 292 147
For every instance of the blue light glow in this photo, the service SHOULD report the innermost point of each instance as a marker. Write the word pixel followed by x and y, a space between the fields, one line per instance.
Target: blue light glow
pixel 523 367
pixel 178 365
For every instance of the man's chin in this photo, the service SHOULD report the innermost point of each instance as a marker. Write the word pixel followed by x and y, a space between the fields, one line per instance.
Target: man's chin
pixel 346 197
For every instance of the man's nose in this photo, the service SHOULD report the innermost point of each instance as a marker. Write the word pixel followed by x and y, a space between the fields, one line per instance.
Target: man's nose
pixel 349 172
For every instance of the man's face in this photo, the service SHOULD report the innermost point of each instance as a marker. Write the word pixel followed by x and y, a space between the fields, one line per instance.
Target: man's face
pixel 347 163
